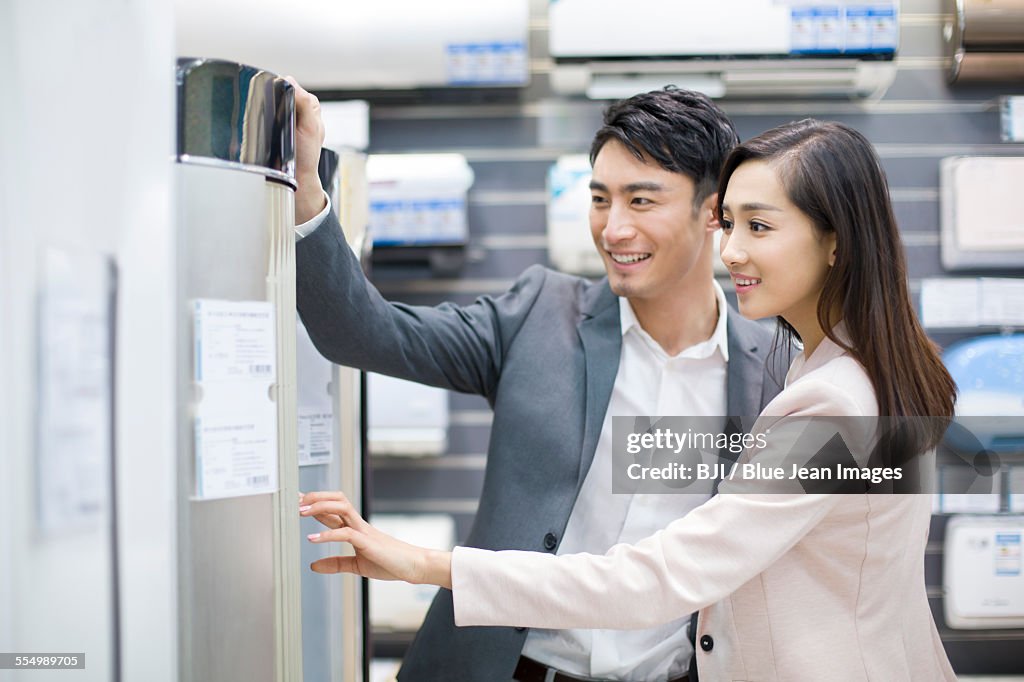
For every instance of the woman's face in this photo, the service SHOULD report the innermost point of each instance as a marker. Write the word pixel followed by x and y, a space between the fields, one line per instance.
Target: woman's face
pixel 777 259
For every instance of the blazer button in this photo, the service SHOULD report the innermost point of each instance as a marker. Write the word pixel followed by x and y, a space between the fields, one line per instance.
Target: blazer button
pixel 707 643
pixel 550 541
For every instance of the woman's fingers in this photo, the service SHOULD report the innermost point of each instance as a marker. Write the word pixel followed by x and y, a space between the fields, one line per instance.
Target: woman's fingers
pixel 320 496
pixel 329 520
pixel 331 514
pixel 336 564
pixel 337 508
pixel 359 564
pixel 344 534
pixel 377 554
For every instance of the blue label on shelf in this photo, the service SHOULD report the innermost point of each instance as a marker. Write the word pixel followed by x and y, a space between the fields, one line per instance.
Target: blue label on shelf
pixel 844 29
pixel 418 221
pixel 1007 554
pixel 494 63
pixel 884 29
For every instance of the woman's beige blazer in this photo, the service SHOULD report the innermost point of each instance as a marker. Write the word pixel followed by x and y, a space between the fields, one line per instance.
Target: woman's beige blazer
pixel 789 587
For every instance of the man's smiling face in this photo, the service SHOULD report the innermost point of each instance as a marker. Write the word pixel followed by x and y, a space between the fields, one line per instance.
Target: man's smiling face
pixel 645 226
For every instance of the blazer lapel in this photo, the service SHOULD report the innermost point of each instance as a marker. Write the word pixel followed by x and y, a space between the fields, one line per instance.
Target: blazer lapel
pixel 600 333
pixel 745 369
pixel 744 377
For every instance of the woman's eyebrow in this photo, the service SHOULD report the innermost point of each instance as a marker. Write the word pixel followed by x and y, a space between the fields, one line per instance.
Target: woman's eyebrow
pixel 754 206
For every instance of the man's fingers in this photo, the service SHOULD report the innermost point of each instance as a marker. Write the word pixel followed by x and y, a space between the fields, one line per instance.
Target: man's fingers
pixel 336 564
pixel 309 127
pixel 305 101
pixel 300 92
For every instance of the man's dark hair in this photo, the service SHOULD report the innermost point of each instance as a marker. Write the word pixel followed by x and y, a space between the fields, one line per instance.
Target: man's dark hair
pixel 680 130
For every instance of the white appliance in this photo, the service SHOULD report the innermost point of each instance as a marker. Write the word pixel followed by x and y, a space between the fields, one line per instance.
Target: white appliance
pixel 385 44
pixel 979 228
pixel 418 199
pixel 330 448
pixel 405 418
pixel 983 574
pixel 570 245
pixel 730 48
pixel 234 179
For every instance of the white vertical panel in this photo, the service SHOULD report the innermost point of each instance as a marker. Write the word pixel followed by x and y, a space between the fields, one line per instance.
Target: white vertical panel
pixel 84 167
pixel 146 437
pixel 9 421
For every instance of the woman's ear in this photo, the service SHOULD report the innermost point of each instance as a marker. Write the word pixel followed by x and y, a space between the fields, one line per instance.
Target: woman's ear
pixel 832 249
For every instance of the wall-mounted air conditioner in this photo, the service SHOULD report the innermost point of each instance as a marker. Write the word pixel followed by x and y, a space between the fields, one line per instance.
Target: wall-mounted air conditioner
pixel 607 49
pixel 383 44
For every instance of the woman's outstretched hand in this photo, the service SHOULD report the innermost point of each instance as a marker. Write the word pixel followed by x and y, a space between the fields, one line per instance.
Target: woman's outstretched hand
pixel 377 554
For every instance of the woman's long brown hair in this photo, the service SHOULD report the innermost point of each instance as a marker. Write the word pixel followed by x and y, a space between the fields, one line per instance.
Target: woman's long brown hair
pixel 831 173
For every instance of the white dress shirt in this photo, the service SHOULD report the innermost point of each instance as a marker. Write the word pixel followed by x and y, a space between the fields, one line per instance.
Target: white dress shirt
pixel 648 383
pixel 307 228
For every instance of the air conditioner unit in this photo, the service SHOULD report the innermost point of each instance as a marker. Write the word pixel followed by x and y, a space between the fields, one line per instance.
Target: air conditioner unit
pixel 607 49
pixel 383 44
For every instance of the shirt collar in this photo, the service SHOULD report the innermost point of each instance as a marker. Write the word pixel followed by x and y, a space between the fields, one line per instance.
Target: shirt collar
pixel 719 338
pixel 826 351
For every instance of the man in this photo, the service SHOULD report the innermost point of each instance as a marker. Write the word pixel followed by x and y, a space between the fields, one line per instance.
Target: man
pixel 557 356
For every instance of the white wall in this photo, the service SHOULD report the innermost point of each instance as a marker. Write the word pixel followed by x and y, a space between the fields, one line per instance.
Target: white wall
pixel 87 132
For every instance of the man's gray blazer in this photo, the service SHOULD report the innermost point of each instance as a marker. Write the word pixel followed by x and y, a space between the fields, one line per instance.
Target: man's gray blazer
pixel 544 354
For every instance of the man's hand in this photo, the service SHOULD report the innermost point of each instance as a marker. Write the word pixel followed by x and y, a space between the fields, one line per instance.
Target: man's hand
pixel 377 554
pixel 309 138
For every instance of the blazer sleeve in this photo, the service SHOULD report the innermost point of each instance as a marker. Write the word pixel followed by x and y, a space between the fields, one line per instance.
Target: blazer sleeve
pixel 694 562
pixel 350 323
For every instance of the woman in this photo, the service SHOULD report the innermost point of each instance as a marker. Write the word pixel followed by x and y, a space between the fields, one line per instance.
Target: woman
pixel 788 586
